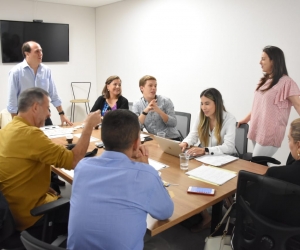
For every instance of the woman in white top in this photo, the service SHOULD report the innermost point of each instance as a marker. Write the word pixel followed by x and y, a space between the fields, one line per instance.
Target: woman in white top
pixel 214 128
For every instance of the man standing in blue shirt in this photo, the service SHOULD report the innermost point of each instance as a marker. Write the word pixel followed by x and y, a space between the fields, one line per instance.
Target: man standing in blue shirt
pixel 32 73
pixel 113 193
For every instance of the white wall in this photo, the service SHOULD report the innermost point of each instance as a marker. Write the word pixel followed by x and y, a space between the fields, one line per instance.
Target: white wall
pixel 82 64
pixel 190 45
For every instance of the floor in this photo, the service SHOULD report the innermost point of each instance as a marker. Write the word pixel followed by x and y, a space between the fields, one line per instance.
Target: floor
pixel 178 237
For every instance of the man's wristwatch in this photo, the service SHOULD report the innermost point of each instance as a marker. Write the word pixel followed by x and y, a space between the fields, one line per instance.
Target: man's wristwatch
pixel 61 113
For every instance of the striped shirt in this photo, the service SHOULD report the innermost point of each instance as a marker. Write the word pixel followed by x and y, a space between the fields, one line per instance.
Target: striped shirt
pixel 270 112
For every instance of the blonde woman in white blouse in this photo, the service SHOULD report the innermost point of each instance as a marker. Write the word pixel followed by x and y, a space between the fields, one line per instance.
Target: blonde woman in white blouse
pixel 215 129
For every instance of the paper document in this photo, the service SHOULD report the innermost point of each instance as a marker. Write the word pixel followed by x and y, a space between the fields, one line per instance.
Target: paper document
pixel 212 175
pixel 157 165
pixel 216 160
pixel 56 131
pixel 144 135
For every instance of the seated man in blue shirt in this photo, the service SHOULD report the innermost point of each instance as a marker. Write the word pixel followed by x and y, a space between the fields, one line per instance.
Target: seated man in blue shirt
pixel 113 193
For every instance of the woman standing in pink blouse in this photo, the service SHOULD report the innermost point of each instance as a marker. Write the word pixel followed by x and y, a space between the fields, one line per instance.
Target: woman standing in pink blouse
pixel 275 94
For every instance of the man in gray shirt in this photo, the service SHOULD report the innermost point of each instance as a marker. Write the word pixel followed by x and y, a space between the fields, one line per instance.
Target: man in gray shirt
pixel 156 113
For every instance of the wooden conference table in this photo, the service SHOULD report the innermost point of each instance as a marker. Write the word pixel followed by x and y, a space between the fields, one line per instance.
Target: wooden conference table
pixel 185 205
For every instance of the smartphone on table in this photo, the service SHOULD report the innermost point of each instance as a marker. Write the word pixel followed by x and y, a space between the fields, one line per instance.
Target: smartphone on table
pixel 201 190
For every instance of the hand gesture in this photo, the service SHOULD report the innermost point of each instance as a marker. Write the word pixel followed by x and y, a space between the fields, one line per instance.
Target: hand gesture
pixel 93 119
pixel 65 121
pixel 141 154
pixel 152 106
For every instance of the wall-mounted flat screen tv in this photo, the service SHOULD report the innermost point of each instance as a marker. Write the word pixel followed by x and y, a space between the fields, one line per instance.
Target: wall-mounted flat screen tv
pixel 53 38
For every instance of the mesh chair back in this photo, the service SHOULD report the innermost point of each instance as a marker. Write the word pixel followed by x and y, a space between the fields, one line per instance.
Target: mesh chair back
pixel 32 243
pixel 241 140
pixel 183 123
pixel 267 213
pixel 9 236
pixel 7 223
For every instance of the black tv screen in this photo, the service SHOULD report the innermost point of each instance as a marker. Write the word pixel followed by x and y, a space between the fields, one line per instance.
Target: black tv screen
pixel 53 38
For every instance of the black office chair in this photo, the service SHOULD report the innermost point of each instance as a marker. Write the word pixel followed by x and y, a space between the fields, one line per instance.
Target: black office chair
pixel 267 211
pixel 32 243
pixel 10 237
pixel 183 123
pixel 49 210
pixel 241 140
pixel 241 145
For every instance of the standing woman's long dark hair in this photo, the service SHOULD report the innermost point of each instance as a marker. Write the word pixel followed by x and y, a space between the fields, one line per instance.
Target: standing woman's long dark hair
pixel 279 68
pixel 203 128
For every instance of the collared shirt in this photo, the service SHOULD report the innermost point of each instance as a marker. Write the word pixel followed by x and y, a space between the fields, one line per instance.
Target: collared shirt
pixel 26 156
pixel 111 197
pixel 270 112
pixel 227 136
pixel 22 77
pixel 153 121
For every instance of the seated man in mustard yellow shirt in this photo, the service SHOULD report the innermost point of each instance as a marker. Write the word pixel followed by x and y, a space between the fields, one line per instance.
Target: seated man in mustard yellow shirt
pixel 26 156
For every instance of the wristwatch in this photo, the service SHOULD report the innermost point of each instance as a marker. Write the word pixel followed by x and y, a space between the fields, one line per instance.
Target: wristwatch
pixel 144 113
pixel 206 151
pixel 61 113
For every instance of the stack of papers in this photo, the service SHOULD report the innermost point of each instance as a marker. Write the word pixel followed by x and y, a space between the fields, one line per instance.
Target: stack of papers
pixel 216 160
pixel 56 131
pixel 213 175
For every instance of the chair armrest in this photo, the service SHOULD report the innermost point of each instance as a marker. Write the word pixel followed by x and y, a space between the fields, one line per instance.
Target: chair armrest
pixel 48 207
pixel 264 160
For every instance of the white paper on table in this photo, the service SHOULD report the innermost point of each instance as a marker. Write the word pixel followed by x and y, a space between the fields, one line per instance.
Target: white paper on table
pixel 91 138
pixel 79 126
pixel 56 131
pixel 157 165
pixel 50 127
pixel 212 174
pixel 56 136
pixel 144 135
pixel 216 160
